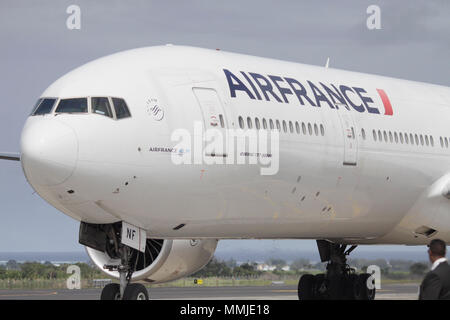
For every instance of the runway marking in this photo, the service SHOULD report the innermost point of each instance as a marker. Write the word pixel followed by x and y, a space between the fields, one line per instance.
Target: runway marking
pixel 293 290
pixel 389 292
pixel 30 294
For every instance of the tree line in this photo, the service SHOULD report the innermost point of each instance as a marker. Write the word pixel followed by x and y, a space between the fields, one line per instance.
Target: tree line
pixel 36 270
pixel 215 268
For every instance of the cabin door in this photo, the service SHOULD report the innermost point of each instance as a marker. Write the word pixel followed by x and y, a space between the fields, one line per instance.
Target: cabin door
pixel 211 107
pixel 350 138
pixel 214 121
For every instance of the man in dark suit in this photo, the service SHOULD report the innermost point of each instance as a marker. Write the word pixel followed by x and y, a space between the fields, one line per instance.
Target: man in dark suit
pixel 436 285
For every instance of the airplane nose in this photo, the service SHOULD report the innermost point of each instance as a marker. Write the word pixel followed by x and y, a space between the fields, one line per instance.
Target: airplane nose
pixel 49 152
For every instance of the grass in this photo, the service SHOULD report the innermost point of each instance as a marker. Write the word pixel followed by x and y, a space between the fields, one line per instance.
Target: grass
pixel 216 282
pixel 37 284
pixel 264 280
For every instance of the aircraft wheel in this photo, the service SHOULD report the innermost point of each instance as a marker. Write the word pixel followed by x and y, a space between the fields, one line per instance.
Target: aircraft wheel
pixel 135 291
pixel 111 292
pixel 362 290
pixel 349 286
pixel 306 287
pixel 336 289
pixel 320 291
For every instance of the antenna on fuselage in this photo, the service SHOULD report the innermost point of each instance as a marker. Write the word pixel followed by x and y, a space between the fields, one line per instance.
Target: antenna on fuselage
pixel 328 63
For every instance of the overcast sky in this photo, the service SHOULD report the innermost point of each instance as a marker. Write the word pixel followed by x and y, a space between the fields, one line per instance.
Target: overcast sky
pixel 37 48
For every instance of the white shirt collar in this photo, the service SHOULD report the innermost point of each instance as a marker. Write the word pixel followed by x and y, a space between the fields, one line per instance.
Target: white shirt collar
pixel 437 262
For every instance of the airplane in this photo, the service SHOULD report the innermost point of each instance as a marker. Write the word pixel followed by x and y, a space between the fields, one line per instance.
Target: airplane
pixel 350 159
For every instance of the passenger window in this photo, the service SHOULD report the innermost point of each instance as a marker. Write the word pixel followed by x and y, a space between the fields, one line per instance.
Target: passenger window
pixel 396 137
pixel 222 122
pixel 297 127
pixel 278 125
pixel 380 137
pixel 284 126
pixel 303 128
pixel 316 130
pixel 446 143
pixel 390 137
pixel 101 106
pixel 249 123
pixel 257 125
pixel 363 134
pixel 374 135
pixel 406 138
pixel 121 108
pixel 441 141
pixel 291 127
pixel 421 139
pixel 427 141
pixel 43 106
pixel 310 129
pixel 271 124
pixel 264 123
pixel 322 130
pixel 401 137
pixel 432 141
pixel 417 139
pixel 241 122
pixel 76 105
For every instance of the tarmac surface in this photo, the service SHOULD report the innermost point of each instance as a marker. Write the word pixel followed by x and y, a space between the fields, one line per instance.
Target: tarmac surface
pixel 275 292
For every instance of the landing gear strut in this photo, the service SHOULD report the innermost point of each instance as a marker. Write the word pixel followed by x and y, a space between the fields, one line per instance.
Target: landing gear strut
pixel 340 281
pixel 124 290
pixel 107 238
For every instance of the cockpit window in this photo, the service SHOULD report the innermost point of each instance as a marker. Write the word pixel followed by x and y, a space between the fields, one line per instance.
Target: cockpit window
pixel 77 105
pixel 121 108
pixel 101 106
pixel 36 105
pixel 43 106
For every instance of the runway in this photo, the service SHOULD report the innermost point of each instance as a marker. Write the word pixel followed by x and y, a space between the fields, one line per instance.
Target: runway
pixel 274 292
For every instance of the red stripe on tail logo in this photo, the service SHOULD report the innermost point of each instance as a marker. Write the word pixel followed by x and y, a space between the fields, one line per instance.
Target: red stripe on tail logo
pixel 386 102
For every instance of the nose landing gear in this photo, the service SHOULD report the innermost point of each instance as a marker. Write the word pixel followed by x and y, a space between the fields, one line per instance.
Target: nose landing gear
pixel 107 238
pixel 340 282
pixel 124 290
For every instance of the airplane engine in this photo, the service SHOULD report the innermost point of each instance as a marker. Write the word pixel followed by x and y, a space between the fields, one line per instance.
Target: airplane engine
pixel 163 261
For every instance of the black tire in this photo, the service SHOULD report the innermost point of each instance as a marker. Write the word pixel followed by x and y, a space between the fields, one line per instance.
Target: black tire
pixel 306 287
pixel 361 290
pixel 370 292
pixel 135 291
pixel 111 292
pixel 319 282
pixel 350 282
pixel 336 287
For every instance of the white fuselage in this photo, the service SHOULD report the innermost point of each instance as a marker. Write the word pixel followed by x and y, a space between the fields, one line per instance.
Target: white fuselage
pixel 340 185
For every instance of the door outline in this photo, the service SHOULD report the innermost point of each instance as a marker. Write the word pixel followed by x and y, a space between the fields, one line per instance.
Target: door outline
pixel 213 113
pixel 350 138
